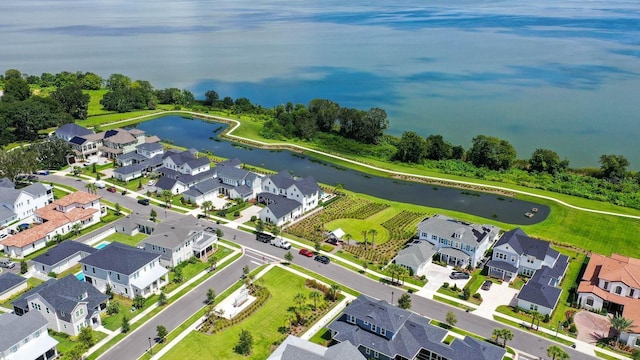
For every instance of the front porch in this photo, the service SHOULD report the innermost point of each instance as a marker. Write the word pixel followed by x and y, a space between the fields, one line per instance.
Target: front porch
pixel 454 257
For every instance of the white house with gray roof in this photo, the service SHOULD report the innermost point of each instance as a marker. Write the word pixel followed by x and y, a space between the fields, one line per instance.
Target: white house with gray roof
pixel 26 337
pixel 279 210
pixel 383 331
pixel 128 270
pixel 68 304
pixel 19 204
pixel 287 198
pixel 62 257
pixel 294 348
pixel 457 242
pixel 517 253
pixel 11 284
pixel 179 239
pixel 415 257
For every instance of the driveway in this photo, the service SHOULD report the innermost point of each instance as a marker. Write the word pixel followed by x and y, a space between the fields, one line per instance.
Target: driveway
pixel 498 294
pixel 438 275
pixel 591 326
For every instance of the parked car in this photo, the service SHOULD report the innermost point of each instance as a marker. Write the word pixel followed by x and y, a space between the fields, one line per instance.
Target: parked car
pixel 305 252
pixel 264 237
pixel 486 285
pixel 321 258
pixel 100 184
pixel 144 202
pixel 281 243
pixel 7 263
pixel 2 236
pixel 459 275
pixel 111 189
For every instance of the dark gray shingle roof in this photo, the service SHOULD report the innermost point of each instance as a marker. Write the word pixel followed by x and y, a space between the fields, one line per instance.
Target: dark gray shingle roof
pixel 64 250
pixel 279 205
pixel 129 169
pixel 14 328
pixel 70 130
pixel 120 258
pixel 9 280
pixel 525 245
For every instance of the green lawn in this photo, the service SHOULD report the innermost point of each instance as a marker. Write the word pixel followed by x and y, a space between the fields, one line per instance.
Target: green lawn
pixel 126 239
pixel 355 227
pixel 113 322
pixel 65 344
pixel 263 324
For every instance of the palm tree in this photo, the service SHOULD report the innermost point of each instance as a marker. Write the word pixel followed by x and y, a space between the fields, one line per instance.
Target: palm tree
pixel 402 273
pixel 497 334
pixel 393 270
pixel 206 206
pixel 535 315
pixel 620 325
pixel 334 291
pixel 75 229
pixel 315 295
pixel 373 233
pixel 299 299
pixel 348 237
pixel 556 352
pixel 364 237
pixel 506 336
pixel 91 188
pixel 57 238
pixel 213 262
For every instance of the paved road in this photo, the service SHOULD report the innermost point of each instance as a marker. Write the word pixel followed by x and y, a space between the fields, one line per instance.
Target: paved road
pixel 136 343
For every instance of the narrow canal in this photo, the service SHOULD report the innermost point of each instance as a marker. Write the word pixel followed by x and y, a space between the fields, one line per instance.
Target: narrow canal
pixel 203 135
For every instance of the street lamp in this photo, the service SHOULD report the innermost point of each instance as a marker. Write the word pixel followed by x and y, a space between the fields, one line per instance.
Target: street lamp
pixel 392 298
pixel 558 328
pixel 150 348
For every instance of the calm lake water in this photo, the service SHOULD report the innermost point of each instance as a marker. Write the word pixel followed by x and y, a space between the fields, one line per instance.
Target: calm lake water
pixel 542 73
pixel 197 133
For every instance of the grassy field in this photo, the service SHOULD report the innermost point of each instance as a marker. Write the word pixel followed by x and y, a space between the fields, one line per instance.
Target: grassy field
pixel 126 239
pixel 263 324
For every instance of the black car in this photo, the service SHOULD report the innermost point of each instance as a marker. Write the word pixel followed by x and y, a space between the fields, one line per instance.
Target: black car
pixel 144 202
pixel 486 285
pixel 459 275
pixel 321 258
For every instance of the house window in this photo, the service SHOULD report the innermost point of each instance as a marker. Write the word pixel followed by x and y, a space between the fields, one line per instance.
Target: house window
pixel 632 292
pixel 589 301
pixel 375 354
pixel 351 319
pixel 366 323
pixel 383 332
pixel 367 350
pixel 374 328
pixel 118 276
pixel 434 237
pixel 15 348
pixel 533 307
pixel 37 334
pixel 618 290
pixel 606 285
pixel 513 258
pixel 501 256
pixel 530 259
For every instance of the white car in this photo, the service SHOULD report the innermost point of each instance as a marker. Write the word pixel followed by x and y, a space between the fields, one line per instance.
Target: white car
pixel 100 184
pixel 151 182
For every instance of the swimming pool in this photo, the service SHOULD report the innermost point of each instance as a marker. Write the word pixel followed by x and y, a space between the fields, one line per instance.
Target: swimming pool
pixel 80 276
pixel 102 245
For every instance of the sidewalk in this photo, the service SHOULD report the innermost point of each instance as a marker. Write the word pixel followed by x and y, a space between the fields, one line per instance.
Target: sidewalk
pixel 144 313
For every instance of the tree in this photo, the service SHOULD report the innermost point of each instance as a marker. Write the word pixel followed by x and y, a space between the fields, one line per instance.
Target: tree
pixel 206 206
pixel 325 113
pixel 211 98
pixel 161 333
pixel 393 269
pixel 178 277
pixel 556 352
pixel 348 237
pixel 315 295
pixel 316 245
pixel 138 301
pixel 373 233
pixel 365 266
pixel 109 291
pixel 364 238
pixel 91 188
pixel 411 148
pixel 15 89
pixel 117 209
pixel 620 325
pixel 86 336
pixel 113 308
pixel 211 296
pixel 334 291
pixel 288 256
pixel 535 315
pixel 73 101
pixel 166 195
pixel 613 167
pixel 507 335
pixel 491 152
pixel 245 343
pixel 497 334
pixel 153 215
pixel 23 267
pixel 299 299
pixel 75 229
pixel 162 299
pixel 259 225
pixel 635 355
pixel 548 161
pixel 213 263
pixel 451 319
pixel 124 326
pixel 404 302
pixel 437 148
pixel 76 353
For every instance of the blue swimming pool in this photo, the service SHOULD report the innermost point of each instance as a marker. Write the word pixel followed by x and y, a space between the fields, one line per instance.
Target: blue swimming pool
pixel 102 245
pixel 80 276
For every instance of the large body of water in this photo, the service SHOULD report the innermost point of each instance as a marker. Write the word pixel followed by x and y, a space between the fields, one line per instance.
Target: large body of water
pixel 559 74
pixel 200 135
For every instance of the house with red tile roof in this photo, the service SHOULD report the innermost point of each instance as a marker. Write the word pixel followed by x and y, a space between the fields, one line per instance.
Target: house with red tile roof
pixel 57 218
pixel 613 283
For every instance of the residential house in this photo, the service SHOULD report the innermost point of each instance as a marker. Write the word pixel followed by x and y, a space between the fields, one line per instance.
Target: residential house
pixel 517 253
pixel 613 284
pixel 279 210
pixel 230 180
pixel 129 172
pixel 178 239
pixel 110 143
pixel 26 338
pixel 182 170
pixel 11 284
pixel 457 242
pixel 142 153
pixel 383 331
pixel 415 257
pixel 128 270
pixel 294 348
pixel 67 132
pixel 58 218
pixel 303 190
pixel 62 257
pixel 19 204
pixel 68 304
pixel 86 146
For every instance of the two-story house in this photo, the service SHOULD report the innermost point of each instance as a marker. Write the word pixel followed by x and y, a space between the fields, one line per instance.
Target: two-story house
pixel 19 204
pixel 517 253
pixel 295 348
pixel 613 284
pixel 68 131
pixel 62 257
pixel 68 304
pixel 179 239
pixel 57 218
pixel 287 198
pixel 383 331
pixel 457 242
pixel 146 158
pixel 128 270
pixel 26 337
pixel 182 170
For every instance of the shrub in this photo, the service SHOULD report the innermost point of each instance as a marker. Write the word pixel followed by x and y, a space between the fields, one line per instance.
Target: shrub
pixel 253 218
pixel 477 296
pixel 53 274
pixel 573 329
pixel 113 308
pixel 546 318
pixel 445 285
pixel 465 294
